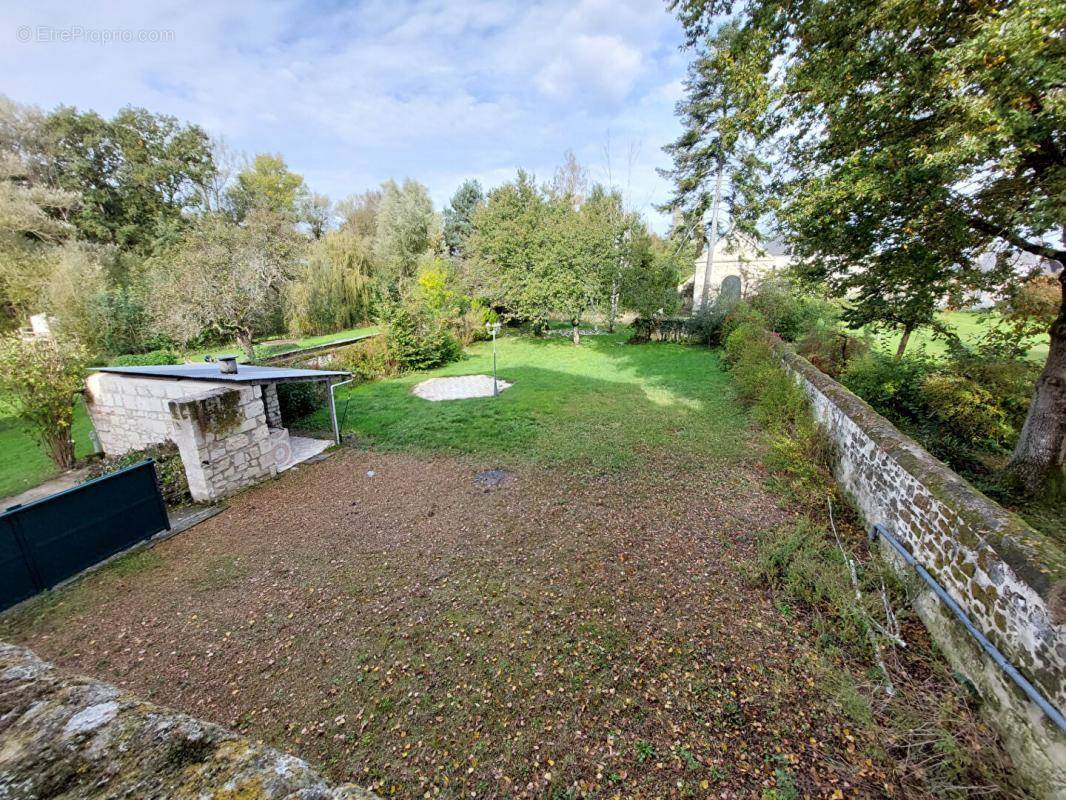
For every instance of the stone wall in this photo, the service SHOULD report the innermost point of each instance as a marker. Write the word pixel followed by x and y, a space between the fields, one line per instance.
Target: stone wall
pixel 221 429
pixel 223 439
pixel 1009 578
pixel 273 407
pixel 131 413
pixel 67 736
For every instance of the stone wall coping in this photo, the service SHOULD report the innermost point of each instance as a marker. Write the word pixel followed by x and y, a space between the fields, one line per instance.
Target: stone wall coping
pixel 1033 556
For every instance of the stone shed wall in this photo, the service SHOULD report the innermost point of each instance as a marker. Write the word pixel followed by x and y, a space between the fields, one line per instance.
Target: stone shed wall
pixel 1007 576
pixel 224 440
pixel 131 413
pixel 221 429
pixel 65 735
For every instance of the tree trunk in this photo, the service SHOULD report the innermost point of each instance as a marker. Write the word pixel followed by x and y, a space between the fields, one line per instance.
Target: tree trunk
pixel 60 448
pixel 904 339
pixel 615 292
pixel 244 339
pixel 1040 456
pixel 712 242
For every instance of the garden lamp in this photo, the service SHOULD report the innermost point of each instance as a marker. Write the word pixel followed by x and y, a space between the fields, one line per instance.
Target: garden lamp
pixel 493 328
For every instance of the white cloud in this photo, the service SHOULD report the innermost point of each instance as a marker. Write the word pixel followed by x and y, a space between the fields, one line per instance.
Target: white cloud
pixel 435 89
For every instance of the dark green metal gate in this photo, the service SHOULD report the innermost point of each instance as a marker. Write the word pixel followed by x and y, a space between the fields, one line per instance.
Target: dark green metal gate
pixel 47 541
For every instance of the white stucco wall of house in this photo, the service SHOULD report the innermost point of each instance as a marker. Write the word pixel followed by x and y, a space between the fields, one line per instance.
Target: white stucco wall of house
pixel 737 256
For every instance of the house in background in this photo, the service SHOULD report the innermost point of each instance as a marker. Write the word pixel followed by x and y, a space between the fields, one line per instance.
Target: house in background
pixel 736 255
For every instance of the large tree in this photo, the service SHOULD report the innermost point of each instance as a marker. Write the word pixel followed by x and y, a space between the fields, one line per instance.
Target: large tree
pixel 134 174
pixel 267 183
pixel 333 289
pixel 543 252
pixel 225 277
pixel 407 229
pixel 912 139
pixel 459 216
pixel 33 223
pixel 511 251
pixel 718 167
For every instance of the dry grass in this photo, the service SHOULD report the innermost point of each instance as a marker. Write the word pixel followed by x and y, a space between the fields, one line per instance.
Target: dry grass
pixel 417 634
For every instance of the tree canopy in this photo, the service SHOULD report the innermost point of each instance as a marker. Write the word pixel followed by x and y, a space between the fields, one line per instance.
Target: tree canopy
pixel 266 183
pixel 908 140
pixel 134 175
pixel 225 277
pixel 459 216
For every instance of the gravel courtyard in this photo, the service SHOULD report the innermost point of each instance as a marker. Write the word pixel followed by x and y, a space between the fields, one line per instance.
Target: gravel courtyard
pixel 422 635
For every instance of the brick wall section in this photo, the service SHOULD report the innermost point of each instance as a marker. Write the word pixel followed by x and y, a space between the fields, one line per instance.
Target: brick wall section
pixel 65 735
pixel 1007 576
pixel 223 439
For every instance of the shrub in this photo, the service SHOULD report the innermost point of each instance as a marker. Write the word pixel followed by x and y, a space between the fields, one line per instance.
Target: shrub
pixel 151 358
pixel 706 325
pixel 962 409
pixel 368 359
pixel 417 341
pixel 892 386
pixel 831 351
pixel 792 312
pixel 39 379
pixel 169 468
pixel 799 450
pixel 298 400
pixel 659 329
pixel 966 409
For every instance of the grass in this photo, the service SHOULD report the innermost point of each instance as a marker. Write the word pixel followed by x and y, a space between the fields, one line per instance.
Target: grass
pixel 602 405
pixel 23 461
pixel 568 635
pixel 274 348
pixel 970 327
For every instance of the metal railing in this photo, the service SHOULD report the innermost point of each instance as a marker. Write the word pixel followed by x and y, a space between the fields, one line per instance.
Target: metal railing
pixel 1052 713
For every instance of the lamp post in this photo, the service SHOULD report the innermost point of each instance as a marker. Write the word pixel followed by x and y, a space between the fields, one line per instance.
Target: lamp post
pixel 493 328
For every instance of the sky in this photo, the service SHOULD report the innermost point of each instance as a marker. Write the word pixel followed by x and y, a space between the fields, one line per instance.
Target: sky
pixel 353 93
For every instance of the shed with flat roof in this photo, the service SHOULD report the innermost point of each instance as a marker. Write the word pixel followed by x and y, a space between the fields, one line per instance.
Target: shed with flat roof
pixel 227 425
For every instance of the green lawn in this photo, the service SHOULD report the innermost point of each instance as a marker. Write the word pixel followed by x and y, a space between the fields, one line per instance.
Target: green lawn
pixel 23 461
pixel 969 325
pixel 598 406
pixel 285 346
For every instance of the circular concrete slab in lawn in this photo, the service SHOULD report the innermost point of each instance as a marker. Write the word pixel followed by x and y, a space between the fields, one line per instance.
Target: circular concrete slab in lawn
pixel 459 388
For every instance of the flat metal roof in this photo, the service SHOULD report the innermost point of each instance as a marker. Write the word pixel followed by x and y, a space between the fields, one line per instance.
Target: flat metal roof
pixel 246 373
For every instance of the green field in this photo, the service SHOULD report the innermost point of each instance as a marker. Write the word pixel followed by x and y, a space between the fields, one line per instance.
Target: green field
pixel 970 327
pixel 23 461
pixel 601 405
pixel 277 347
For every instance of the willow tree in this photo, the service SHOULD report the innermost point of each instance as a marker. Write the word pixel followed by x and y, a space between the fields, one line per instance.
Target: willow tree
pixel 333 289
pixel 910 140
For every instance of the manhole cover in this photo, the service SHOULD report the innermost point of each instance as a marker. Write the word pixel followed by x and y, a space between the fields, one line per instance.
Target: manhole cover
pixel 493 478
